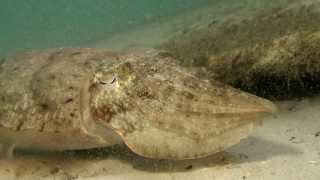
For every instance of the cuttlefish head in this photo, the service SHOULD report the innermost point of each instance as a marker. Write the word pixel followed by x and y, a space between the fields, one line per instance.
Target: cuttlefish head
pixel 160 111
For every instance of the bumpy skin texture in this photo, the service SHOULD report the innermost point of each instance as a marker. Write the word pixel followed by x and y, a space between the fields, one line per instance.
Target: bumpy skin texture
pixel 83 98
pixel 43 98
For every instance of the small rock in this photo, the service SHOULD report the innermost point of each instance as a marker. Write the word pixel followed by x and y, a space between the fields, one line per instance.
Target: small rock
pixel 212 23
pixel 243 156
pixel 295 140
pixel 54 170
pixel 313 162
pixel 189 167
pixel 292 138
pixel 290 130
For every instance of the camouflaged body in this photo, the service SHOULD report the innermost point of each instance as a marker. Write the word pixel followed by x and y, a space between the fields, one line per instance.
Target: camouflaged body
pixel 42 91
pixel 83 98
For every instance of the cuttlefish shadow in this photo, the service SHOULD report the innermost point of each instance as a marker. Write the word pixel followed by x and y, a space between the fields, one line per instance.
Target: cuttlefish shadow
pixel 67 161
pixel 257 149
pixel 252 149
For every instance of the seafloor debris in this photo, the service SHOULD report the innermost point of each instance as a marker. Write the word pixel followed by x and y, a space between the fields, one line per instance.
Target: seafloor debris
pixel 275 53
pixel 289 66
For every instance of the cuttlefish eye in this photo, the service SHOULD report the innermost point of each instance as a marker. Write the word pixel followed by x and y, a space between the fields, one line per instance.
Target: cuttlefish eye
pixel 122 71
pixel 106 82
pixel 108 79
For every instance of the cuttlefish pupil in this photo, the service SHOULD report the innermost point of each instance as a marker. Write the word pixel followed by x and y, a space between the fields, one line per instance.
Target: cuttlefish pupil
pixel 104 82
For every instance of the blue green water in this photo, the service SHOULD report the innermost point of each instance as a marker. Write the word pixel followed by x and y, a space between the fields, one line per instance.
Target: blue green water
pixel 34 24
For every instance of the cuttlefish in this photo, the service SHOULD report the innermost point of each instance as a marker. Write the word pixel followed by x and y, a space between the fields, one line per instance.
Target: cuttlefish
pixel 70 99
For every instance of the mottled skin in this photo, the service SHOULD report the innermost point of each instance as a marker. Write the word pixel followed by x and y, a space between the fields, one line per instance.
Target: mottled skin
pixel 44 99
pixel 84 98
